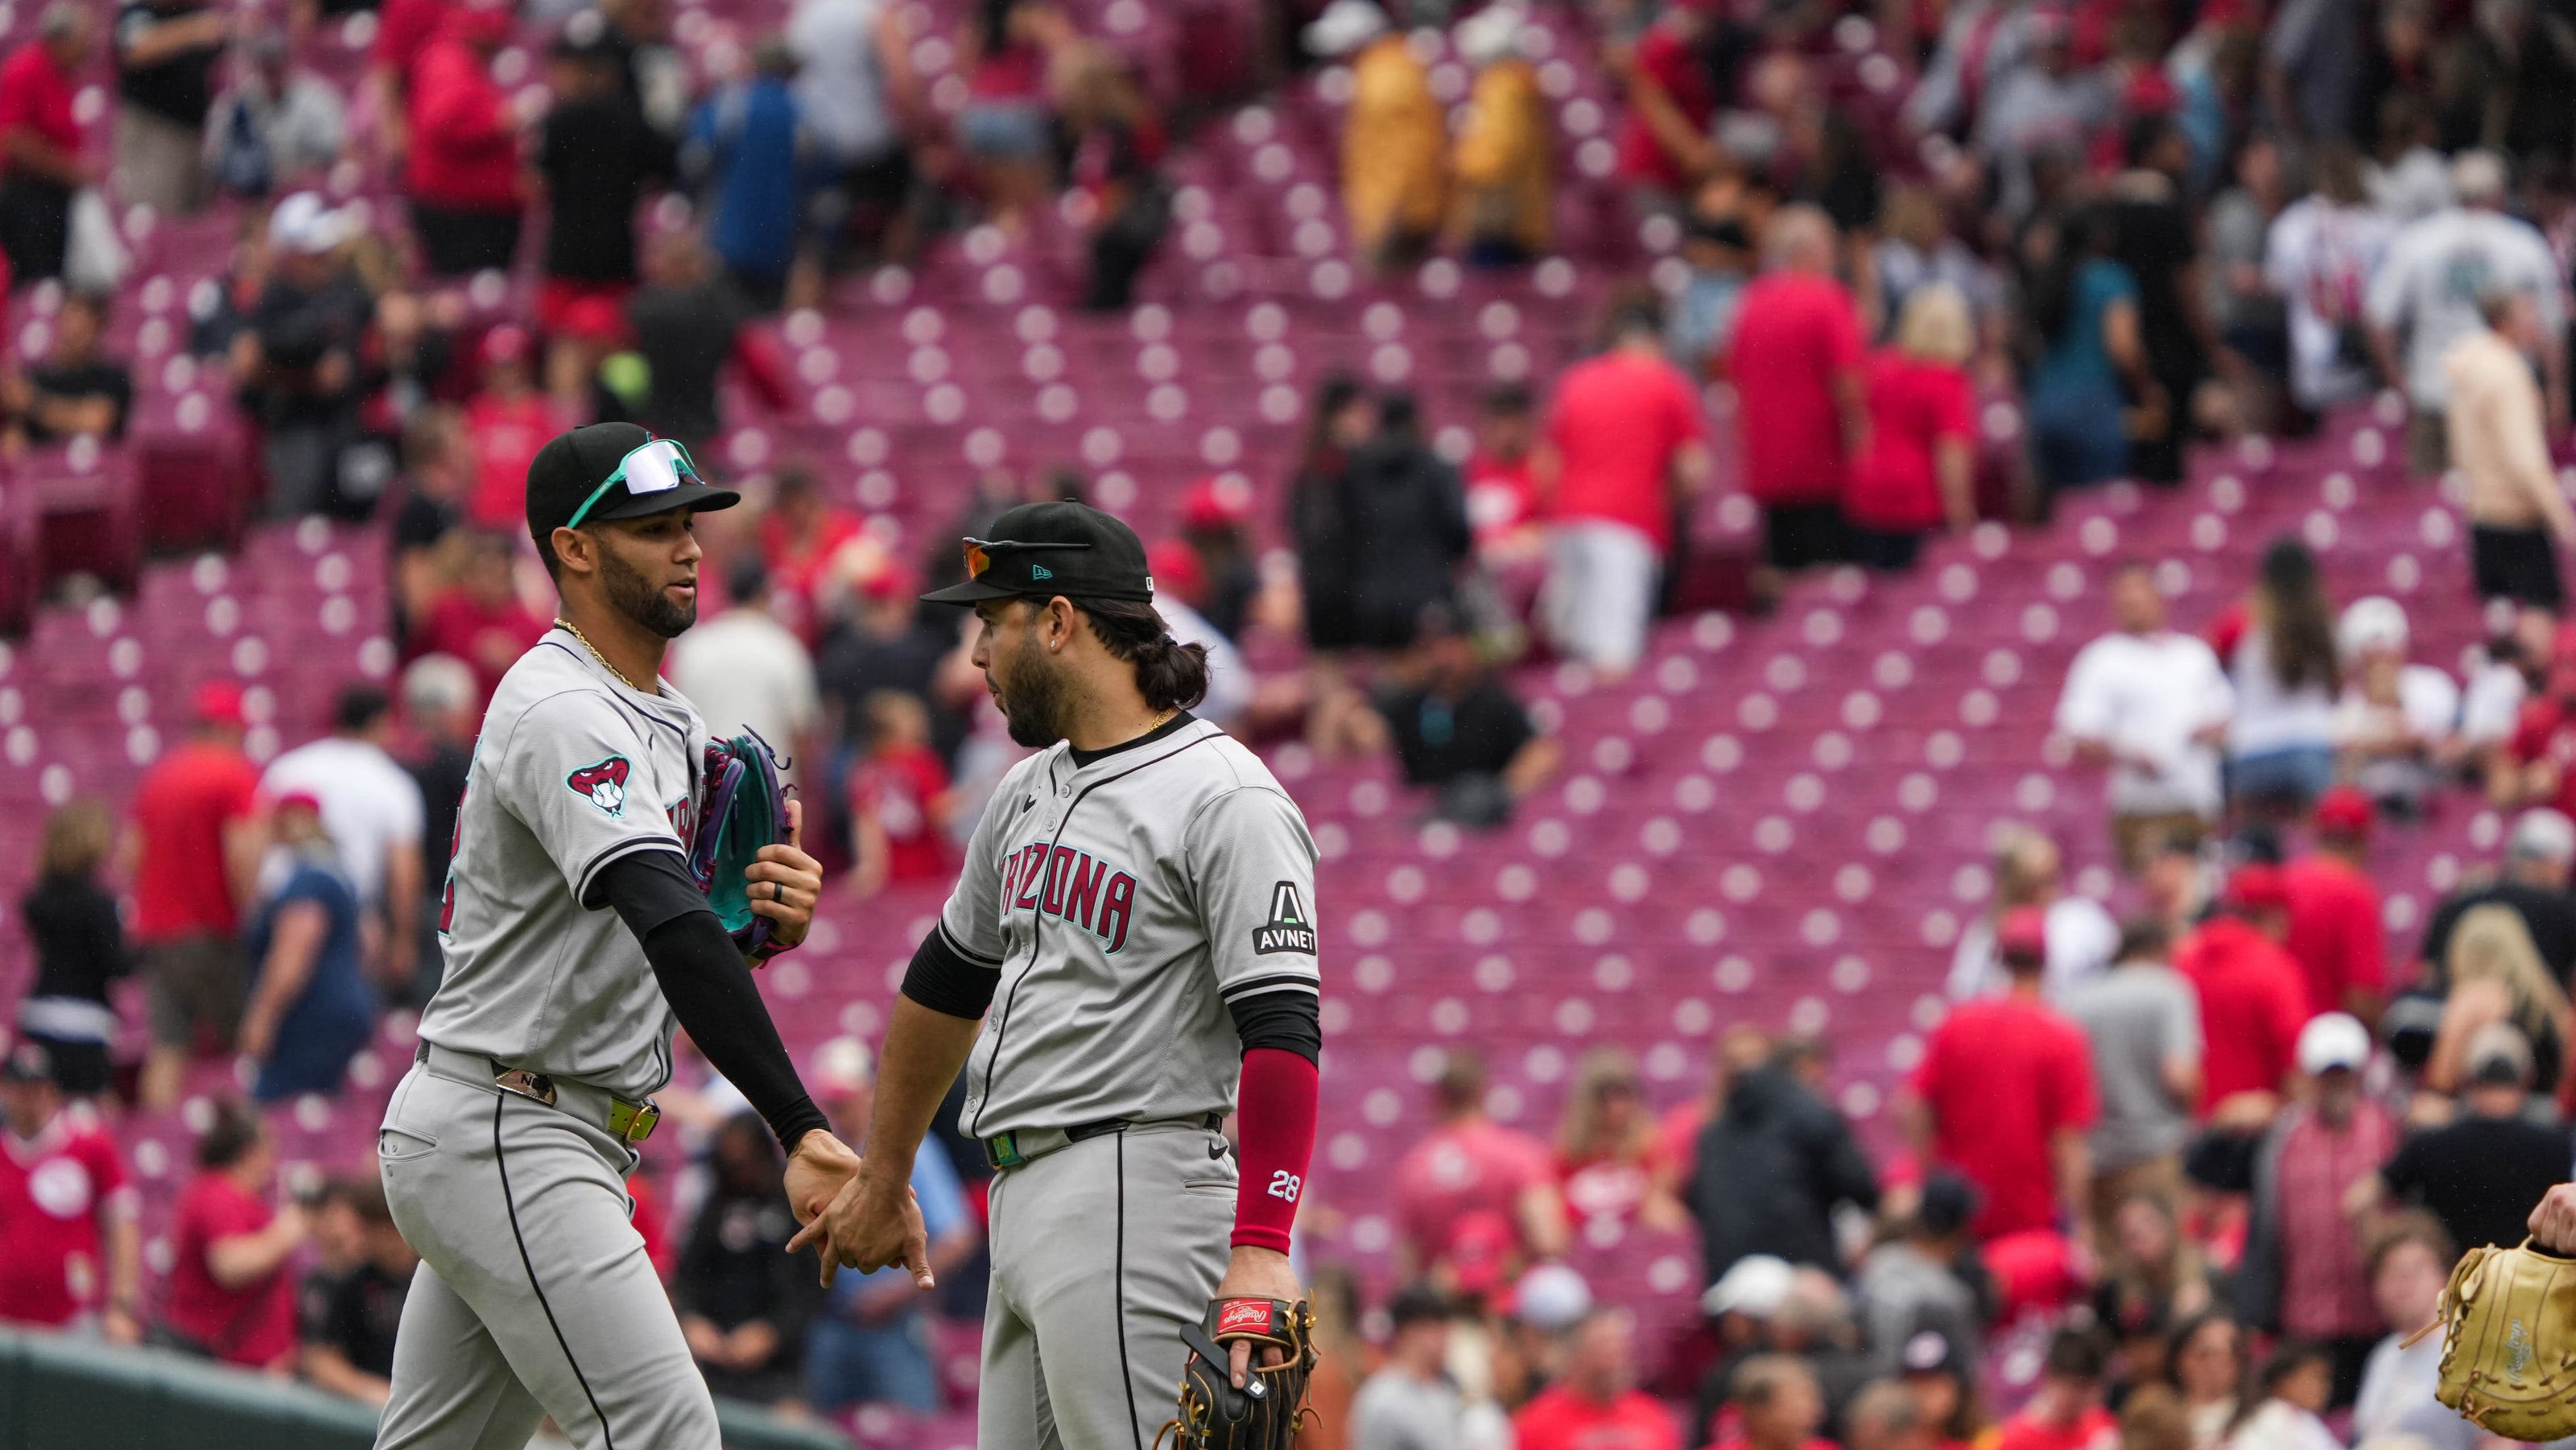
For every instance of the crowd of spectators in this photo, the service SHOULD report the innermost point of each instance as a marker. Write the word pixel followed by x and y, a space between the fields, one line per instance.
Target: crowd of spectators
pixel 2224 1145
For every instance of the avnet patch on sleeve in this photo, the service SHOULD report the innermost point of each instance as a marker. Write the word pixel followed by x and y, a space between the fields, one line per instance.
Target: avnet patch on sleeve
pixel 1289 929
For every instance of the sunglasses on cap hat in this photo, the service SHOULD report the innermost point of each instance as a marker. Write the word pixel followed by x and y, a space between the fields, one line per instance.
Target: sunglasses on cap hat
pixel 657 467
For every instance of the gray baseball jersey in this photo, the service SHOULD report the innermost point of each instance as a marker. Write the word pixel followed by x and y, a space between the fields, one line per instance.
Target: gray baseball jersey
pixel 573 770
pixel 1126 899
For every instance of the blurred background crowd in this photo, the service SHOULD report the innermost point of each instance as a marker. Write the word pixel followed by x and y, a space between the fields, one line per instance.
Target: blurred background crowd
pixel 1738 310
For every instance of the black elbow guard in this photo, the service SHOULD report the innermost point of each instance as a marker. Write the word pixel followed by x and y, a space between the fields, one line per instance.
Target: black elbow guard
pixel 1289 1020
pixel 943 980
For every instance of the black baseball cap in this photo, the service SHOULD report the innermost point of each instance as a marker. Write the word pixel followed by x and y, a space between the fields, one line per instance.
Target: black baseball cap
pixel 1040 550
pixel 571 472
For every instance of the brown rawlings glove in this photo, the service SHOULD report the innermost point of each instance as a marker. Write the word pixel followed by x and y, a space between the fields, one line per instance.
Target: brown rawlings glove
pixel 2509 1352
pixel 1264 1414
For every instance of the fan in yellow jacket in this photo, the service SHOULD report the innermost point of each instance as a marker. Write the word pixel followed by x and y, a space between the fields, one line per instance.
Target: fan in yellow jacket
pixel 1504 159
pixel 1395 140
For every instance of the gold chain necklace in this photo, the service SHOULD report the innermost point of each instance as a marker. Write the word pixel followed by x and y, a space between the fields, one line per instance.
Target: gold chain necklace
pixel 567 624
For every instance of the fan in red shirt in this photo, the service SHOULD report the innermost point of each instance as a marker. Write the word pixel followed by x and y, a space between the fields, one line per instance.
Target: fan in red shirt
pixel 1777 1406
pixel 509 421
pixel 2005 1094
pixel 461 173
pixel 196 839
pixel 1607 1151
pixel 2541 769
pixel 482 621
pixel 1469 1166
pixel 66 1211
pixel 1919 470
pixel 231 1296
pixel 404 28
pixel 1502 489
pixel 800 533
pixel 2253 998
pixel 899 803
pixel 40 144
pixel 1672 98
pixel 1595 1404
pixel 2336 933
pixel 506 423
pixel 1625 443
pixel 2067 1413
pixel 1796 362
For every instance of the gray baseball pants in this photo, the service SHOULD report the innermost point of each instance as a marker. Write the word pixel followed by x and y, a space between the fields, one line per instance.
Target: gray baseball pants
pixel 1102 1250
pixel 534 1296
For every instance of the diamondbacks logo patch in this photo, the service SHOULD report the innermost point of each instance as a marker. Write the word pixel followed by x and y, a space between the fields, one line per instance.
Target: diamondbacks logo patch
pixel 602 784
pixel 1288 929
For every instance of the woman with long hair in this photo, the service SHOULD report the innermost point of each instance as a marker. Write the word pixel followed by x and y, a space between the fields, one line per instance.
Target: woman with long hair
pixel 2088 359
pixel 1605 1146
pixel 2205 1363
pixel 1946 1392
pixel 2496 974
pixel 2282 660
pixel 2153 1279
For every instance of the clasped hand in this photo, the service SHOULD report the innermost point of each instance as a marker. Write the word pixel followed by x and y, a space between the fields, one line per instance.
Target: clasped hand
pixel 871 1222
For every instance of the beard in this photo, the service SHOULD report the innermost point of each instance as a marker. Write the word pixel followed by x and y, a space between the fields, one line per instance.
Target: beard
pixel 1032 700
pixel 641 600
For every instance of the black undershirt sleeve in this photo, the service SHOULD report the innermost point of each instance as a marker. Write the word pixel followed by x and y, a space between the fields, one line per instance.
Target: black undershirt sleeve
pixel 709 987
pixel 943 980
pixel 1290 1021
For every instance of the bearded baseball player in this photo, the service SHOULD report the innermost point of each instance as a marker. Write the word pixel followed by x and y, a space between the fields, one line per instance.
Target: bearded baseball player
pixel 1136 914
pixel 575 934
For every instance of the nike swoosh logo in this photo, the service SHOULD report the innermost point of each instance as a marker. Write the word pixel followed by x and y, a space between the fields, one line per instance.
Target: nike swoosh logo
pixel 1217 1149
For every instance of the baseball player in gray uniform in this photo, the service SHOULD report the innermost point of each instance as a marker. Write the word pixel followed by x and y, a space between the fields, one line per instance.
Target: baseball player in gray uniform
pixel 1136 911
pixel 574 936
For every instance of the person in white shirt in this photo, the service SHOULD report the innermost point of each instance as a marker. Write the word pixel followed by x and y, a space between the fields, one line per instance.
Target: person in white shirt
pixel 2319 255
pixel 2082 937
pixel 2295 1384
pixel 2429 290
pixel 371 809
pixel 1229 693
pixel 2395 722
pixel 2152 705
pixel 746 671
pixel 2408 178
pixel 1411 1403
pixel 2503 673
pixel 2410 1261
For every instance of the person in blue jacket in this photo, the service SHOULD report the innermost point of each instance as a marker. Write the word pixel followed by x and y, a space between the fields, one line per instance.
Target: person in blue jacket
pixel 310 1007
pixel 746 153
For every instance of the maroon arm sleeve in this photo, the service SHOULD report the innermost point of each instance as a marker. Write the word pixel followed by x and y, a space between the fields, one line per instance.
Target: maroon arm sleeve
pixel 1275 1132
